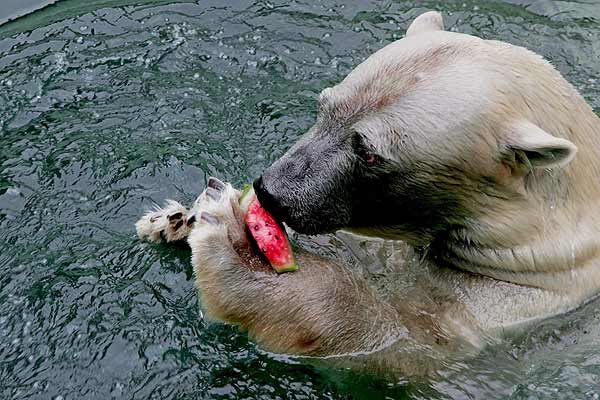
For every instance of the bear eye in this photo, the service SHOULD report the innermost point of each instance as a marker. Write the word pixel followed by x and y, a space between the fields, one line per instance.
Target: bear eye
pixel 371 159
pixel 365 153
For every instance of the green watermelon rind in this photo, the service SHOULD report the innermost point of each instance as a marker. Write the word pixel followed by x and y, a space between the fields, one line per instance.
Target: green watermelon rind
pixel 288 268
pixel 246 197
pixel 245 190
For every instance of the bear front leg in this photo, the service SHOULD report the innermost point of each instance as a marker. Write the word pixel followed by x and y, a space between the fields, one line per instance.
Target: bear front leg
pixel 321 309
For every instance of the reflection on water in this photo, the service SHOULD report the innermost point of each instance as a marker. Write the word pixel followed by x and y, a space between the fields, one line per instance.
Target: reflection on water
pixel 109 106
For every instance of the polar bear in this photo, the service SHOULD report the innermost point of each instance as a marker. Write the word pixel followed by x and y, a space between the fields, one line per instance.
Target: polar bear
pixel 475 153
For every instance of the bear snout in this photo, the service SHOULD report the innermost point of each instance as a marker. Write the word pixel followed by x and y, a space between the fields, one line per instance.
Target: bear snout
pixel 267 199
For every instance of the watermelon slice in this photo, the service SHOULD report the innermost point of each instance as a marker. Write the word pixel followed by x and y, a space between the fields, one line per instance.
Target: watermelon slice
pixel 269 235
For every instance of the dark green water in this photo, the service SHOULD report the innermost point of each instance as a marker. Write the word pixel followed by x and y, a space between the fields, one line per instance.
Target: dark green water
pixel 109 106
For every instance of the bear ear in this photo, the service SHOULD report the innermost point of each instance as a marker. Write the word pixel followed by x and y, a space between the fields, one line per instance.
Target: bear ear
pixel 529 146
pixel 428 22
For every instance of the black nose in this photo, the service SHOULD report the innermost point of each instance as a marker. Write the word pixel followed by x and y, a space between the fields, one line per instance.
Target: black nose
pixel 267 199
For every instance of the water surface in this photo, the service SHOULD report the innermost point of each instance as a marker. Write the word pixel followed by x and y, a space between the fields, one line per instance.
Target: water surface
pixel 108 107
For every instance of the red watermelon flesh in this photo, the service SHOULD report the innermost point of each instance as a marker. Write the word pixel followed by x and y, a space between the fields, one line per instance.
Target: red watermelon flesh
pixel 270 237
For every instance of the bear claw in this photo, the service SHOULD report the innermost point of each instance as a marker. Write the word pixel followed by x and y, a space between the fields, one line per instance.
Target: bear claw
pixel 213 193
pixel 216 184
pixel 209 218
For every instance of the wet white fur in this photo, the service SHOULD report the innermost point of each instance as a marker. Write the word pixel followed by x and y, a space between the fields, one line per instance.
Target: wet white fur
pixel 533 258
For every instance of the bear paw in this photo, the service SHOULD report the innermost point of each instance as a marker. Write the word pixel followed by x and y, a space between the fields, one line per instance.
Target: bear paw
pixel 168 224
